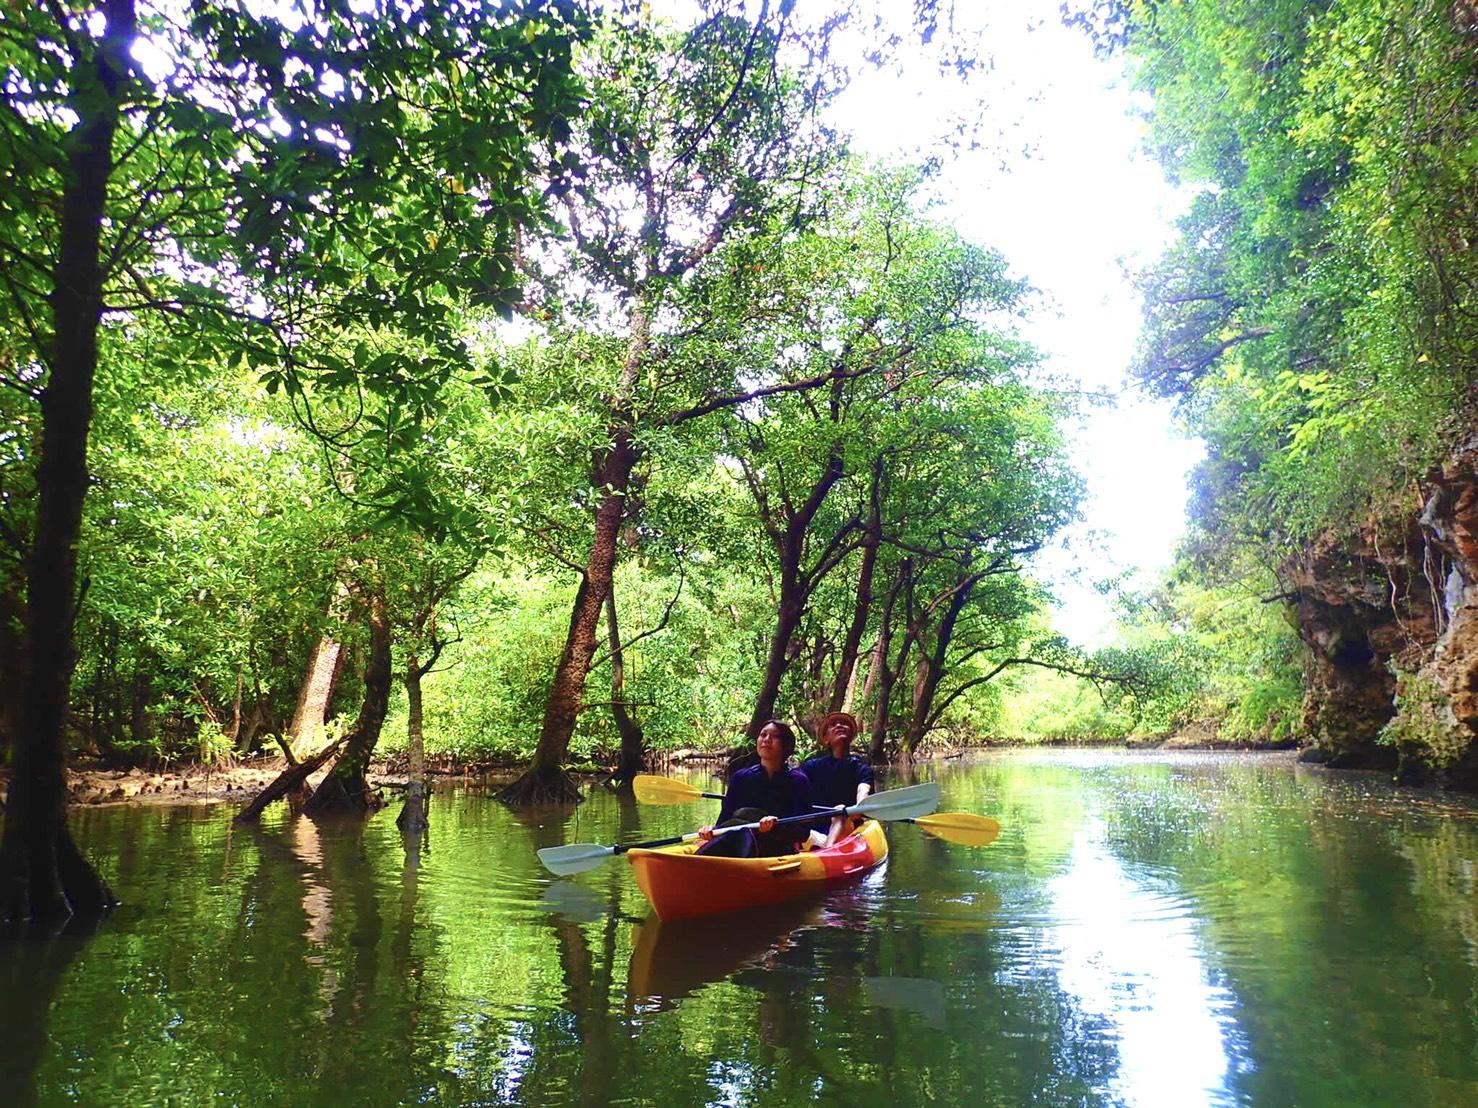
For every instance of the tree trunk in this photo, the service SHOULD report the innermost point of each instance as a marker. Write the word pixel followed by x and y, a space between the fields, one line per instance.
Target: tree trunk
pixel 796 587
pixel 321 674
pixel 849 696
pixel 12 657
pixel 788 614
pixel 633 750
pixel 874 667
pixel 234 734
pixel 932 665
pixel 882 674
pixel 42 873
pixel 346 787
pixel 413 816
pixel 862 608
pixel 287 783
pixel 545 781
pixel 138 712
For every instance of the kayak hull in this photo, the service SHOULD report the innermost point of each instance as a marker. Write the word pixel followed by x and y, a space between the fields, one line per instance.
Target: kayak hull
pixel 683 885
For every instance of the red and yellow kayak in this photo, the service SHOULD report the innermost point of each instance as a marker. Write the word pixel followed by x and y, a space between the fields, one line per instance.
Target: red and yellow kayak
pixel 684 885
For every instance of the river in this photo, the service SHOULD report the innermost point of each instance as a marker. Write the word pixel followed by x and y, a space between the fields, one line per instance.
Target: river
pixel 1148 930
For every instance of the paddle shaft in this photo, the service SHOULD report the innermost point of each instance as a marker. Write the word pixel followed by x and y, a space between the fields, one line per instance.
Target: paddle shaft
pixel 820 810
pixel 622 848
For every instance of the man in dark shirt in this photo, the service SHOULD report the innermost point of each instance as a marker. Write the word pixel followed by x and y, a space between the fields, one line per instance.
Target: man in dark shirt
pixel 839 776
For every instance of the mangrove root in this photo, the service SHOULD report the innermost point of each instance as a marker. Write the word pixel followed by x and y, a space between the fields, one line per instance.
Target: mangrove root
pixel 547 786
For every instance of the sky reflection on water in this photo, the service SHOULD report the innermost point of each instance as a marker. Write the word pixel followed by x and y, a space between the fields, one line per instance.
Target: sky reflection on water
pixel 1130 958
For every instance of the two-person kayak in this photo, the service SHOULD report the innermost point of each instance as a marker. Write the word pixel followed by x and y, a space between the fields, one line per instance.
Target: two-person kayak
pixel 683 885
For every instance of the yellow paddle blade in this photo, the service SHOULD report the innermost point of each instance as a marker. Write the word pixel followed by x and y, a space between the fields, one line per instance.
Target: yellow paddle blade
pixel 964 828
pixel 651 789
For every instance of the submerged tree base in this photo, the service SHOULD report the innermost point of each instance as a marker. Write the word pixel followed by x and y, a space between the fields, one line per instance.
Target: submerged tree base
pixel 345 792
pixel 288 783
pixel 626 773
pixel 413 816
pixel 542 786
pixel 50 881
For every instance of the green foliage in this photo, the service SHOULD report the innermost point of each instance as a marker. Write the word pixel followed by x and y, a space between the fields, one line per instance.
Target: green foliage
pixel 1317 316
pixel 1213 662
pixel 305 404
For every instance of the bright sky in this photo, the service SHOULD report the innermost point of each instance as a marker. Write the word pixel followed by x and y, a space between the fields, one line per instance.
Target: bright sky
pixel 1075 206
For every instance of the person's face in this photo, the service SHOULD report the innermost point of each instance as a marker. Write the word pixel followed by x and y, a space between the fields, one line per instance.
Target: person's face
pixel 839 736
pixel 770 745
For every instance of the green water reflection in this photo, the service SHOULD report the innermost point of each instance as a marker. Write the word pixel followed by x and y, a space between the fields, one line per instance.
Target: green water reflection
pixel 1178 931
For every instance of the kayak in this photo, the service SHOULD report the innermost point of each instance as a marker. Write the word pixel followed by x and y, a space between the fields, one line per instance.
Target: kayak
pixel 683 885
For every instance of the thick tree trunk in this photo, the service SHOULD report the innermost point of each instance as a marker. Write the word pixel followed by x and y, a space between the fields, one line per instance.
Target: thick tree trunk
pixel 12 657
pixel 849 695
pixel 545 781
pixel 346 787
pixel 413 816
pixel 874 667
pixel 633 748
pixel 321 674
pixel 42 873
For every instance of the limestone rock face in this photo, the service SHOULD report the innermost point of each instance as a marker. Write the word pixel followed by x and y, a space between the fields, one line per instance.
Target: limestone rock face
pixel 1449 520
pixel 1358 601
pixel 1390 616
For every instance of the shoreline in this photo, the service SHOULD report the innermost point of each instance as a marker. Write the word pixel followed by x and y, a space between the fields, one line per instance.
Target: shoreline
pixel 92 784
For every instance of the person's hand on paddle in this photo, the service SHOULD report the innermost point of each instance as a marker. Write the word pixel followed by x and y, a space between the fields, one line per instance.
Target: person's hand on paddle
pixel 705 833
pixel 767 824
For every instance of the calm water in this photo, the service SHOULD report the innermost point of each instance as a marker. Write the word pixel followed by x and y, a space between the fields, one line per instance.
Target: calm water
pixel 1201 929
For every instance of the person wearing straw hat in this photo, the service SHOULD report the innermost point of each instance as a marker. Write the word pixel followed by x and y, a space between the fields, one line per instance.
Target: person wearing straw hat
pixel 838 777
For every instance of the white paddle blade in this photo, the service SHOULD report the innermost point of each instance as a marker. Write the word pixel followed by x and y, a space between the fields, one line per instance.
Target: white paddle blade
pixel 562 861
pixel 908 803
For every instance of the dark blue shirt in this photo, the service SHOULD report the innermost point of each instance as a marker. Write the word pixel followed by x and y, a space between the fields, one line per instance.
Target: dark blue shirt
pixel 835 780
pixel 788 793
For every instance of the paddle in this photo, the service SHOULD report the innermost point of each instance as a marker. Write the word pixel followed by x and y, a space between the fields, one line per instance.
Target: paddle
pixel 651 789
pixel 962 828
pixel 913 802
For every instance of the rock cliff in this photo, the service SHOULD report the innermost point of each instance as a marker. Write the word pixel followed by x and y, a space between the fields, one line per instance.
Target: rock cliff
pixel 1390 615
